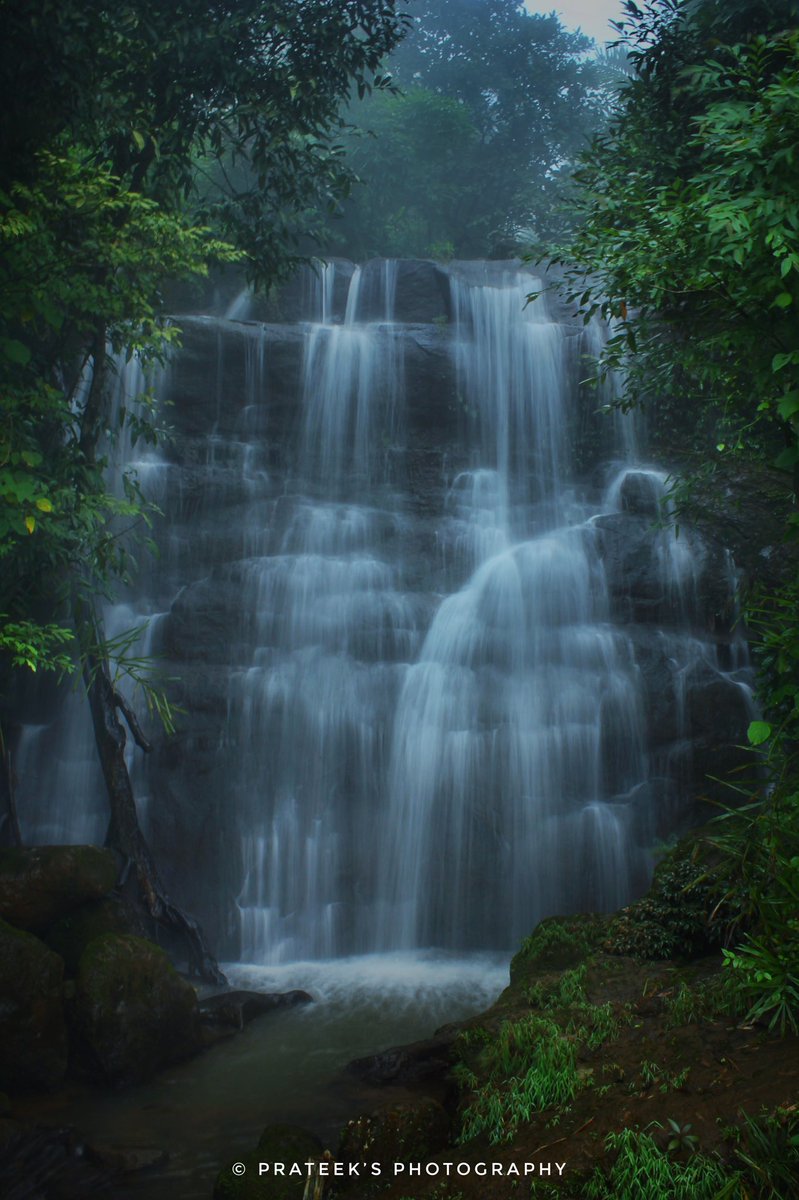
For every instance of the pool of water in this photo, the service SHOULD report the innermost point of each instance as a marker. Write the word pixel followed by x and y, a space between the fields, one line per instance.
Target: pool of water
pixel 285 1066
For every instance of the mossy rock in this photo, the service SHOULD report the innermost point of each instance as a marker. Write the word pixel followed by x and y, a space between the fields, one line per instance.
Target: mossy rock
pixel 39 884
pixel 396 1133
pixel 131 1014
pixel 286 1144
pixel 556 944
pixel 70 936
pixel 673 920
pixel 33 1033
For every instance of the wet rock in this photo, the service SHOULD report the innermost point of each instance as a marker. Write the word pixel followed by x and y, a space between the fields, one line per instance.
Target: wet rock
pixel 423 292
pixel 284 1144
pixel 38 1163
pixel 423 1060
pixel 132 1014
pixel 396 1133
pixel 70 936
pixel 127 1159
pixel 641 494
pixel 33 1034
pixel 39 884
pixel 236 1009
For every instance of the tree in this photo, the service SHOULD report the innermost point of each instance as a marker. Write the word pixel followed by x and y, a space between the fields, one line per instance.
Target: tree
pixel 689 245
pixel 136 140
pixel 529 98
pixel 425 144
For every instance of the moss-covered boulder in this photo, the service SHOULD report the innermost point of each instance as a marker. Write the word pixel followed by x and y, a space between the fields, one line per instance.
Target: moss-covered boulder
pixel 131 1013
pixel 70 935
pixel 33 1035
pixel 396 1133
pixel 289 1147
pixel 39 884
pixel 556 944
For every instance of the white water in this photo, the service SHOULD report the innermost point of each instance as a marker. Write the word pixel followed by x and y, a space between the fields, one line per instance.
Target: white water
pixel 435 730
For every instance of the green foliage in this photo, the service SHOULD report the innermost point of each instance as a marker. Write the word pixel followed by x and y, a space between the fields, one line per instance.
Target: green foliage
pixel 530 1065
pixel 680 1137
pixel 138 142
pixel 37 647
pixel 767 1155
pixel 66 271
pixel 653 1075
pixel 641 1171
pixel 691 223
pixel 685 1005
pixel 590 1024
pixel 673 920
pixel 233 109
pixel 766 973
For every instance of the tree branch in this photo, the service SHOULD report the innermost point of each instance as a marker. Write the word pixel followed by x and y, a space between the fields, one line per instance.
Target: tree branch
pixel 132 722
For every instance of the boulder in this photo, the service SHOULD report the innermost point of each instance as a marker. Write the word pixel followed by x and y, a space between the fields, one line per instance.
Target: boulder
pixel 39 884
pixel 131 1014
pixel 70 936
pixel 33 1034
pixel 406 1065
pixel 237 1008
pixel 284 1144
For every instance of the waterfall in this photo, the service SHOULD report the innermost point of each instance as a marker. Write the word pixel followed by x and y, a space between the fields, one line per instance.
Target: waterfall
pixel 443 663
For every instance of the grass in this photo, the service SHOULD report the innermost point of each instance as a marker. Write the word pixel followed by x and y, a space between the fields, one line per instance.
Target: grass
pixel 641 1171
pixel 531 1065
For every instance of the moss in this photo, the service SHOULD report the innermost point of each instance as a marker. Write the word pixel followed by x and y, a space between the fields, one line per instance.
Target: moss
pixel 132 1013
pixel 556 944
pixel 70 935
pixel 33 1042
pixel 39 884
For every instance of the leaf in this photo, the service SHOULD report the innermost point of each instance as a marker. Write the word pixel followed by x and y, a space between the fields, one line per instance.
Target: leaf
pixel 43 504
pixel 15 351
pixel 783 300
pixel 788 406
pixel 759 732
pixel 30 524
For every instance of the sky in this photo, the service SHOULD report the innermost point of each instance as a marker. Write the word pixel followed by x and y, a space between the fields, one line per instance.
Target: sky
pixel 592 16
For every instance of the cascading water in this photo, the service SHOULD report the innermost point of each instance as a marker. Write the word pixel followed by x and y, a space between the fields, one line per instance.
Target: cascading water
pixel 443 674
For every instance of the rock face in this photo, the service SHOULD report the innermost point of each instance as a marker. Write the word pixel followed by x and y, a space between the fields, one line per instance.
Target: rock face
pixel 42 883
pixel 33 1034
pixel 131 1014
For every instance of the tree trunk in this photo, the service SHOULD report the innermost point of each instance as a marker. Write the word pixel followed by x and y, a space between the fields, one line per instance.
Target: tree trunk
pixel 124 832
pixel 9 823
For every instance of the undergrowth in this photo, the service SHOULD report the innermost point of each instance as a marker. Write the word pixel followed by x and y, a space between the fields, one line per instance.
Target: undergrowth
pixel 641 1171
pixel 530 1065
